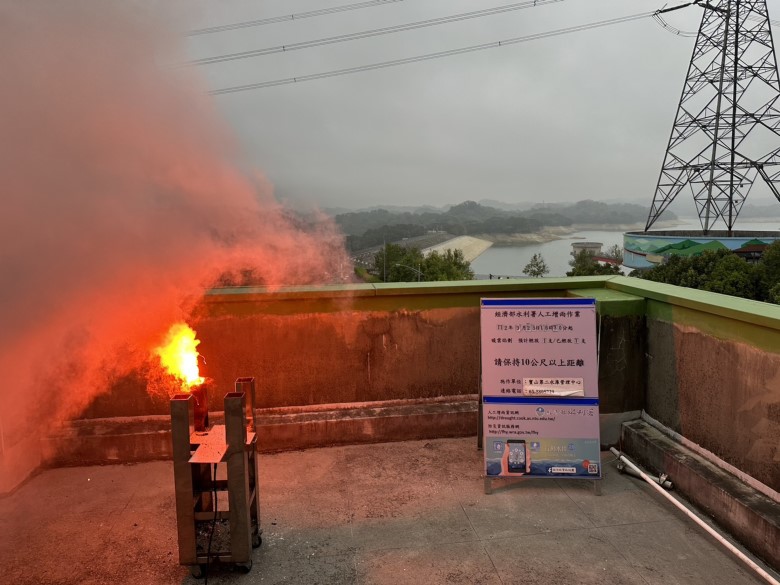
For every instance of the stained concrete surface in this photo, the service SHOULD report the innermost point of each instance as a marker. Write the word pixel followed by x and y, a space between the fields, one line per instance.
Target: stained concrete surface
pixel 391 513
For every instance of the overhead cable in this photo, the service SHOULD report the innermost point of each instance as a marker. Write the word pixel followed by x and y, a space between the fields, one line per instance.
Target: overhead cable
pixel 668 27
pixel 374 32
pixel 297 16
pixel 754 16
pixel 757 17
pixel 429 56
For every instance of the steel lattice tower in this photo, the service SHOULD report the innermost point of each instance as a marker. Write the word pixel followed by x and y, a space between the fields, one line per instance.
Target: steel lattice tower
pixel 727 128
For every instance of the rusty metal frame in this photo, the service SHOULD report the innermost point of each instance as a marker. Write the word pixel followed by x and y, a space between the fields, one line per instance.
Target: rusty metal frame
pixel 235 445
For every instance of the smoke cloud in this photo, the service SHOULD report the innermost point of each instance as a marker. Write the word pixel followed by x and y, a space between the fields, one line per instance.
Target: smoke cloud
pixel 122 198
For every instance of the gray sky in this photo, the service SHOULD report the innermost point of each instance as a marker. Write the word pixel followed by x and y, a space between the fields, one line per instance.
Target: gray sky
pixel 584 115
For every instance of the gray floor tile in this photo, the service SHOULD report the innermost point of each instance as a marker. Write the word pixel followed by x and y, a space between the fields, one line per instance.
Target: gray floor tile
pixel 529 507
pixel 619 507
pixel 676 552
pixel 583 557
pixel 443 563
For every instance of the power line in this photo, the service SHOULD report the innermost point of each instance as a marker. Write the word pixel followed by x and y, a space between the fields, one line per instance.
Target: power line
pixel 429 56
pixel 683 33
pixel 674 30
pixel 690 34
pixel 297 16
pixel 759 18
pixel 374 32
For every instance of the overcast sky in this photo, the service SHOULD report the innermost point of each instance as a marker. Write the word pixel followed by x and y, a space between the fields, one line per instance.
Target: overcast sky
pixel 584 115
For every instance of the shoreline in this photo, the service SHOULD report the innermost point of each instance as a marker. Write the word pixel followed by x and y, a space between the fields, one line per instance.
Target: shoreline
pixel 552 233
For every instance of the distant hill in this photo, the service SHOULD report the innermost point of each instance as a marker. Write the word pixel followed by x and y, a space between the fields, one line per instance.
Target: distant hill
pixel 505 206
pixel 365 229
pixel 599 212
pixel 684 206
pixel 404 208
pixel 334 211
pixel 750 211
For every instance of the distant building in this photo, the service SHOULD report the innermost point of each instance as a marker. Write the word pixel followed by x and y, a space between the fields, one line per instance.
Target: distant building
pixel 593 248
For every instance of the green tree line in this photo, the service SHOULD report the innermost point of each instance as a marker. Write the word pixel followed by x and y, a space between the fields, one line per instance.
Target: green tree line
pixel 719 271
pixel 399 264
pixel 723 272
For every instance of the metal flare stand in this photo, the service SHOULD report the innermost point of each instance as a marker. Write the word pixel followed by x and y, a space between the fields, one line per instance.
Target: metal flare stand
pixel 198 506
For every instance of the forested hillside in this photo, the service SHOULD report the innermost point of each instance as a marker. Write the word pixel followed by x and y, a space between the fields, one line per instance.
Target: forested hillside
pixel 365 229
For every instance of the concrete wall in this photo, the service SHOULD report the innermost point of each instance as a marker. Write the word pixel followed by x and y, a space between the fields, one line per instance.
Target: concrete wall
pixel 353 364
pixel 713 373
pixel 375 343
pixel 705 365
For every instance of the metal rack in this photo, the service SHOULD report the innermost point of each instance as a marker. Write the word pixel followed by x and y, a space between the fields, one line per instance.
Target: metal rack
pixel 197 456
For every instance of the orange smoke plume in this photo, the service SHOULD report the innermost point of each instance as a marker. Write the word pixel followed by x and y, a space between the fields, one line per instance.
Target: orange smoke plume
pixel 124 197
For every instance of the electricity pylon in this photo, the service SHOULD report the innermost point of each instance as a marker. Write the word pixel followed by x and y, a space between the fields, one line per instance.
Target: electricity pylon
pixel 727 129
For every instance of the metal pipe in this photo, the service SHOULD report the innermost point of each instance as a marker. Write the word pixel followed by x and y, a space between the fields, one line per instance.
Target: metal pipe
pixel 247 386
pixel 708 529
pixel 624 467
pixel 201 395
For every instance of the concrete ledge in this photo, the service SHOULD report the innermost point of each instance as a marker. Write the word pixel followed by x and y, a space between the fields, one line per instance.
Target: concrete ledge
pixel 133 439
pixel 146 438
pixel 283 429
pixel 108 440
pixel 17 462
pixel 745 513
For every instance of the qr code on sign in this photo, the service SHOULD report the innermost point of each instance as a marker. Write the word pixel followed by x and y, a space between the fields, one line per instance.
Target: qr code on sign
pixel 593 468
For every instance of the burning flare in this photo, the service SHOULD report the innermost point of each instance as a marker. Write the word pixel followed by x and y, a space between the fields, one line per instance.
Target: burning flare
pixel 179 355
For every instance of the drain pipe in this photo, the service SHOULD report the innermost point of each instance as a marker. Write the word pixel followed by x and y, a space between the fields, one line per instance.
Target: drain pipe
pixel 709 530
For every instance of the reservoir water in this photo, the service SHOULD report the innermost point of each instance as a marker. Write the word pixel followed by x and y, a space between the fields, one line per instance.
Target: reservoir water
pixel 510 260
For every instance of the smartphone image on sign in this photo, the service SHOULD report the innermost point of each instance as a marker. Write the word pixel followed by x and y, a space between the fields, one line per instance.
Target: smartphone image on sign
pixel 518 456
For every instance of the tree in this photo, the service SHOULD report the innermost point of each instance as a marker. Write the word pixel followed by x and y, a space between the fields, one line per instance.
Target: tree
pixel 671 271
pixel 386 259
pixel 408 267
pixel 395 263
pixel 769 273
pixel 583 264
pixel 773 296
pixel 731 275
pixel 615 252
pixel 720 271
pixel 537 267
pixel 450 265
